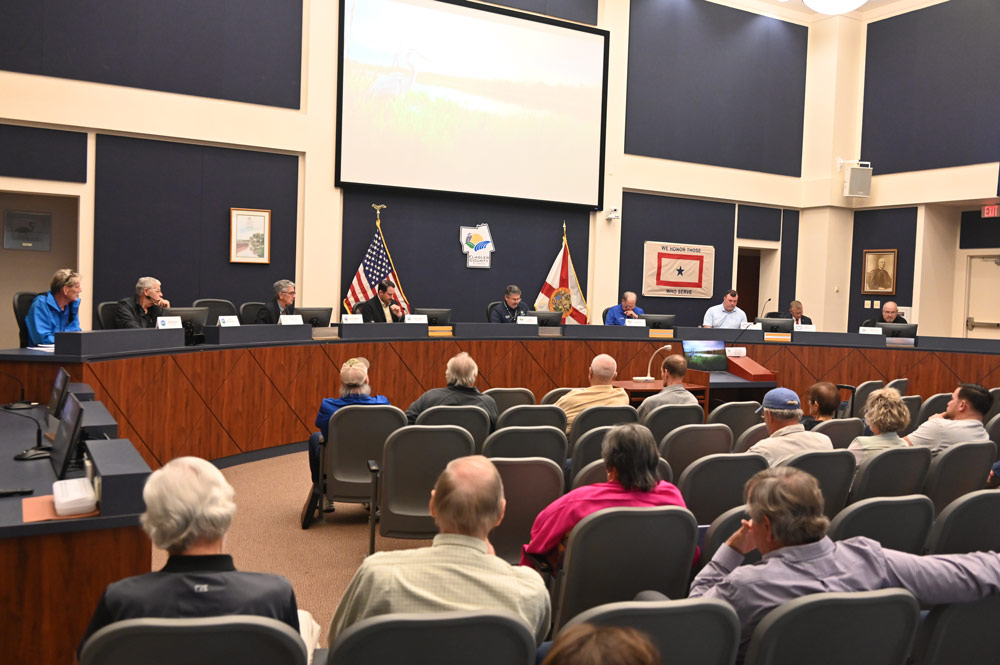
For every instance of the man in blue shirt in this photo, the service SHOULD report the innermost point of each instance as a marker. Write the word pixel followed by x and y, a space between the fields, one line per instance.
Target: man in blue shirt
pixel 510 308
pixel 726 314
pixel 626 310
pixel 55 311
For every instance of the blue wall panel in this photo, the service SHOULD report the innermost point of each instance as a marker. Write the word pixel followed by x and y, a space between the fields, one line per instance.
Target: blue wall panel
pixel 978 233
pixel 932 88
pixel 581 11
pixel 757 223
pixel 715 85
pixel 894 228
pixel 667 219
pixel 46 154
pixel 789 260
pixel 422 233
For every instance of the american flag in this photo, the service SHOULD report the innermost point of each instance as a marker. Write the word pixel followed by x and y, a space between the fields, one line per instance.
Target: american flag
pixel 375 266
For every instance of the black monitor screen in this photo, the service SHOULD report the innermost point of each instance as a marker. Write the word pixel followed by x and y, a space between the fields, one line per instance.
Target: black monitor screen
pixel 549 319
pixel 898 329
pixel 706 355
pixel 435 317
pixel 58 394
pixel 317 317
pixel 195 316
pixel 659 320
pixel 66 442
pixel 776 325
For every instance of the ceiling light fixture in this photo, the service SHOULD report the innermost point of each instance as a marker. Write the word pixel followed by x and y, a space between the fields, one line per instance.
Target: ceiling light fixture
pixel 833 7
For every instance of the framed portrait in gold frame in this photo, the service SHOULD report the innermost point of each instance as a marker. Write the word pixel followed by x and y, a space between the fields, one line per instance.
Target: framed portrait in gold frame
pixel 879 272
pixel 249 235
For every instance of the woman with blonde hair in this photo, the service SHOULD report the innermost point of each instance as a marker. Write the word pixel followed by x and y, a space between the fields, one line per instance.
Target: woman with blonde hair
pixel 886 414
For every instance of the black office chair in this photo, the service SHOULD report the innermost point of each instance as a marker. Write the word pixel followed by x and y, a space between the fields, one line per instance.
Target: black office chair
pixel 106 314
pixel 216 307
pixel 604 315
pixel 22 303
pixel 248 312
pixel 490 308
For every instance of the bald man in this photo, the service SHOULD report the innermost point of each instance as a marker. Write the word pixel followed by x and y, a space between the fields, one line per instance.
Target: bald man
pixel 890 314
pixel 602 372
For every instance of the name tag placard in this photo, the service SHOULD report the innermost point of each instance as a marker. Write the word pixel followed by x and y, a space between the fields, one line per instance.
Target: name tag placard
pixel 415 318
pixel 352 318
pixel 290 320
pixel 635 323
pixel 229 321
pixel 168 322
pixel 736 351
pixel 528 320
pixel 750 326
pixel 868 330
pixel 804 327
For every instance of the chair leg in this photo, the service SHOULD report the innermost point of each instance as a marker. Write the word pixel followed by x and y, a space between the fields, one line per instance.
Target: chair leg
pixel 373 506
pixel 310 508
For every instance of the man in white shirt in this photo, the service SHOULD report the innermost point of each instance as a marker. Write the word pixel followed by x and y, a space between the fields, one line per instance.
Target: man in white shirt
pixel 961 421
pixel 788 437
pixel 726 314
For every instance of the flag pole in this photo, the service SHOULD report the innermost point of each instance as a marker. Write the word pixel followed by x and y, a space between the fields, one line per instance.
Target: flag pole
pixel 378 227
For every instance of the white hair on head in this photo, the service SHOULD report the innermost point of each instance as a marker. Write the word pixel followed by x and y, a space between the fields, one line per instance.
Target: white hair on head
pixel 188 500
pixel 604 367
pixel 461 371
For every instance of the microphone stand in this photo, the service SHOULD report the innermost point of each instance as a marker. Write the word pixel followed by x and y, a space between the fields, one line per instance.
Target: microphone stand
pixel 22 404
pixel 38 430
pixel 743 332
pixel 649 367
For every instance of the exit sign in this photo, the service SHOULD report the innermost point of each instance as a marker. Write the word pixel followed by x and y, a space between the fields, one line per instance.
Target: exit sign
pixel 992 210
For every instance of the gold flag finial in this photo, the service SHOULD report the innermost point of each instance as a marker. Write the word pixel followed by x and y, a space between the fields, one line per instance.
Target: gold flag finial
pixel 378 211
pixel 564 229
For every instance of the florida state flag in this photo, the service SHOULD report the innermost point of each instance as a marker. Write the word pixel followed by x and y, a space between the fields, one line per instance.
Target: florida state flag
pixel 561 291
pixel 677 271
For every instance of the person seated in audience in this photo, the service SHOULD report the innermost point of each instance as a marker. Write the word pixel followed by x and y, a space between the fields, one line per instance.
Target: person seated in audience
pixel 782 413
pixel 795 314
pixel 189 508
pixel 886 414
pixel 460 570
pixel 626 309
pixel 961 422
pixel 511 307
pixel 460 374
pixel 383 306
pixel 57 310
pixel 674 369
pixel 354 389
pixel 630 458
pixel 788 527
pixel 601 374
pixel 282 303
pixel 822 402
pixel 587 644
pixel 142 309
pixel 889 314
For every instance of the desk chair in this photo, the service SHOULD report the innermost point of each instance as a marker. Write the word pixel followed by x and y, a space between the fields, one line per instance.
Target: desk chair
pixel 489 309
pixel 216 307
pixel 106 314
pixel 22 303
pixel 604 315
pixel 248 312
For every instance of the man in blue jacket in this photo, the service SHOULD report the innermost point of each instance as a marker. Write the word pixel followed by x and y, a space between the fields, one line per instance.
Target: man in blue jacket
pixel 625 310
pixel 55 311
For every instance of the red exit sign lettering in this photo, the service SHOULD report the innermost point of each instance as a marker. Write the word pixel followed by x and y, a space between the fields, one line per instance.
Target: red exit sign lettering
pixel 992 210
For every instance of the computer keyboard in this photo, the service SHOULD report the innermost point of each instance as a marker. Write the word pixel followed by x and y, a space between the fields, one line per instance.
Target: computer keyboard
pixel 73 496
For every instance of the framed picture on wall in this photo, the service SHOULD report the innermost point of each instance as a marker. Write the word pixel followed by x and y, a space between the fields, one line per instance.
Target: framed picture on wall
pixel 879 272
pixel 249 235
pixel 30 231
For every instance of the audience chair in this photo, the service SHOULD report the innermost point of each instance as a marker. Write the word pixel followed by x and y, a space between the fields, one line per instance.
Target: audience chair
pixel 599 416
pixel 737 416
pixel 861 627
pixel 106 314
pixel 858 402
pixel 959 633
pixel 690 442
pixel 901 385
pixel 216 307
pixel 718 533
pixel 489 309
pixel 755 434
pixel 443 638
pixel 841 430
pixel 597 472
pixel 471 418
pixel 968 524
pixel 412 460
pixel 202 641
pixel 615 553
pixel 912 403
pixel 530 484
pixel 22 303
pixel 248 312
pixel 934 404
pixel 692 630
pixel 897 522
pixel 508 397
pixel 892 472
pixel 357 434
pixel 547 442
pixel 553 395
pixel 834 470
pixel 664 419
pixel 586 450
pixel 714 484
pixel 533 415
pixel 958 470
pixel 993 429
pixel 995 409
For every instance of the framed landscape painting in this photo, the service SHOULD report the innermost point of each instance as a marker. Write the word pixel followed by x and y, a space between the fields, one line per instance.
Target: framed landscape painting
pixel 249 235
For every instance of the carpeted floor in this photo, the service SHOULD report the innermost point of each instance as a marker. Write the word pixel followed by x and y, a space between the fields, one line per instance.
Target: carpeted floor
pixel 266 535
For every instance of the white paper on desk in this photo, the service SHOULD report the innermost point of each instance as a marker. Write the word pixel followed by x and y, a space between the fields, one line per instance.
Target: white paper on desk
pixel 48 348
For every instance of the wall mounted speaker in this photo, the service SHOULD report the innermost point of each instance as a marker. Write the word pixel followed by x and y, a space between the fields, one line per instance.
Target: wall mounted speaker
pixel 858 181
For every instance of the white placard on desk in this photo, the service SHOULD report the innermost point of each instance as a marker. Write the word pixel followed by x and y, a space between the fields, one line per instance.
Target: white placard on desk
pixel 168 322
pixel 804 327
pixel 635 323
pixel 352 318
pixel 229 321
pixel 750 326
pixel 415 318
pixel 528 320
pixel 736 351
pixel 290 320
pixel 868 330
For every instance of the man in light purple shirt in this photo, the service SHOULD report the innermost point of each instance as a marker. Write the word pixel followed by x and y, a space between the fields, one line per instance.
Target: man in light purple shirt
pixel 788 527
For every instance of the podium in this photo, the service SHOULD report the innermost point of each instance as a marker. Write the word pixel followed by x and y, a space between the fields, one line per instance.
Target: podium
pixel 745 379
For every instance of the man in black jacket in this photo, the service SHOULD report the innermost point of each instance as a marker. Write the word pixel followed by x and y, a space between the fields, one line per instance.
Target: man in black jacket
pixel 142 309
pixel 384 307
pixel 283 303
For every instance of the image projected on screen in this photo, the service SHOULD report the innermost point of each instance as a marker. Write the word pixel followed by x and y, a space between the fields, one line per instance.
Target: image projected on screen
pixel 447 97
pixel 706 355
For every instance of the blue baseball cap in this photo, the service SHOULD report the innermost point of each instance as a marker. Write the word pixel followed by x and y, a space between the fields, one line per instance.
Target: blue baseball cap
pixel 780 398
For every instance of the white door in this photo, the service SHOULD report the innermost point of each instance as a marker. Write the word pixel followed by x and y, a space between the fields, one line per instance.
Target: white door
pixel 981 306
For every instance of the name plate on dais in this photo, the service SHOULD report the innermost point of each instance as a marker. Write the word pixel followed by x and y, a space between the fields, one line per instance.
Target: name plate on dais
pixel 415 318
pixel 528 320
pixel 168 322
pixel 635 323
pixel 229 321
pixel 290 320
pixel 352 318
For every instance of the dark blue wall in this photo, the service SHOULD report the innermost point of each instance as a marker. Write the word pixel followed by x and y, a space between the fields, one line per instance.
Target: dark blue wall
pixel 243 50
pixel 47 154
pixel 882 229
pixel 932 88
pixel 977 233
pixel 715 85
pixel 758 223
pixel 667 219
pixel 162 209
pixel 581 11
pixel 422 233
pixel 789 259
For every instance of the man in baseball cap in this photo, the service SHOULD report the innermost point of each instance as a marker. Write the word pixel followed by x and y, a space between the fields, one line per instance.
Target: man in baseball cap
pixel 782 412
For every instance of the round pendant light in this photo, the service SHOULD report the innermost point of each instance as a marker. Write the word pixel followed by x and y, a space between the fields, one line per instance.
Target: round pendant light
pixel 833 7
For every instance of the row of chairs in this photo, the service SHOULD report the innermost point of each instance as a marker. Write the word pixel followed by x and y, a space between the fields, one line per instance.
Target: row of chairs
pixel 216 307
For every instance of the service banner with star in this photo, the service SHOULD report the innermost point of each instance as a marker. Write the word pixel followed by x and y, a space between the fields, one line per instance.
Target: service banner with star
pixel 672 270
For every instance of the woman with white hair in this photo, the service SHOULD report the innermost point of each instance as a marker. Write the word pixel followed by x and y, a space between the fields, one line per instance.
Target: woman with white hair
pixel 886 413
pixel 189 507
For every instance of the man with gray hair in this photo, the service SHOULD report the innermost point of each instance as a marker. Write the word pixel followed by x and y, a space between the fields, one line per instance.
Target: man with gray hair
pixel 460 571
pixel 788 527
pixel 788 437
pixel 626 309
pixel 460 374
pixel 189 508
pixel 511 307
pixel 282 303
pixel 600 392
pixel 142 309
